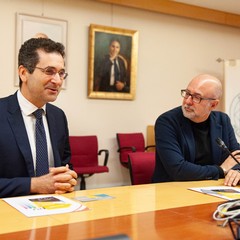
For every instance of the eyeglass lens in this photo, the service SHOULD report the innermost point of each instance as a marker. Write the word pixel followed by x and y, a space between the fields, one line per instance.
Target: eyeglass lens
pixel 53 71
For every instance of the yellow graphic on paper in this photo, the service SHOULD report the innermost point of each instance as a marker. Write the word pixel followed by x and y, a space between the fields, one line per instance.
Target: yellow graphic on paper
pixel 49 206
pixel 50 203
pixel 229 193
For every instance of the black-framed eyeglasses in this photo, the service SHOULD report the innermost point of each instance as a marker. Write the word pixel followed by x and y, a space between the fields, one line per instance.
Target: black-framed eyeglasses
pixel 51 71
pixel 195 98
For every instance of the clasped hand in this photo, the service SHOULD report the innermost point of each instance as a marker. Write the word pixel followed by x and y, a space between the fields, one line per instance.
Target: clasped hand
pixel 119 85
pixel 59 180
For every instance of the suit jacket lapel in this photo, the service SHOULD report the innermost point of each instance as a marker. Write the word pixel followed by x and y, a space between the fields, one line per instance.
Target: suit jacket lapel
pixel 17 124
pixel 187 129
pixel 53 134
pixel 217 132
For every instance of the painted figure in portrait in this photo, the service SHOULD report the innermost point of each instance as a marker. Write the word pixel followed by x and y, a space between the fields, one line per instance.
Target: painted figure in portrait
pixel 112 68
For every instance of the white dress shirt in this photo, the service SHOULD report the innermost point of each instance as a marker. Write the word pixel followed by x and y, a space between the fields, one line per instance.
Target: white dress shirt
pixel 27 108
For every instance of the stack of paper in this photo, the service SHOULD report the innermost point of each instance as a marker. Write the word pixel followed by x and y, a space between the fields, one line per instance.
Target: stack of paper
pixel 229 193
pixel 40 205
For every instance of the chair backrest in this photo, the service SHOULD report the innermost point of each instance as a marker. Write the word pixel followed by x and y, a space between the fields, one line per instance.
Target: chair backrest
pixel 141 167
pixel 151 138
pixel 127 141
pixel 84 151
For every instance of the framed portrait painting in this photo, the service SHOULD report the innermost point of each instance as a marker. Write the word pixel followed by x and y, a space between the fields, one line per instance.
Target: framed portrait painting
pixel 29 26
pixel 112 63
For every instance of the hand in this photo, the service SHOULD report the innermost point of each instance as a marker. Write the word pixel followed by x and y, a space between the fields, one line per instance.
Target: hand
pixel 232 178
pixel 65 181
pixel 119 85
pixel 58 180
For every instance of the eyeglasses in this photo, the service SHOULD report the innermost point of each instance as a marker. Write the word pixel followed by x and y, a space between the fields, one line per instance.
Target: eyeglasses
pixel 51 71
pixel 195 98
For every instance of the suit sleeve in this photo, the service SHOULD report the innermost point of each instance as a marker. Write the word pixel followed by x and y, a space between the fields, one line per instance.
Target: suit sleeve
pixel 14 187
pixel 67 152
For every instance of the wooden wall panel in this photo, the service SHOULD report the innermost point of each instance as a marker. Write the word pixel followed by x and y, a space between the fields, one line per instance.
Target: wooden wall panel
pixel 181 10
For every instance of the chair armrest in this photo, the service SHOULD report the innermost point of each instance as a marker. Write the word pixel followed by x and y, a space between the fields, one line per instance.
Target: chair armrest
pixel 132 148
pixel 150 146
pixel 106 155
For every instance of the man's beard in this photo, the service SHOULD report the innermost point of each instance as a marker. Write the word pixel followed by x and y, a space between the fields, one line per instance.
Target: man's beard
pixel 189 115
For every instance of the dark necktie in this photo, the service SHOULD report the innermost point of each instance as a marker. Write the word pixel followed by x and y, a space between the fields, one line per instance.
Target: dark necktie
pixel 116 71
pixel 42 166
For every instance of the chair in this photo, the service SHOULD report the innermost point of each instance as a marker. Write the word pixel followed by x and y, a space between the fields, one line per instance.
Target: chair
pixel 84 157
pixel 130 142
pixel 151 138
pixel 141 167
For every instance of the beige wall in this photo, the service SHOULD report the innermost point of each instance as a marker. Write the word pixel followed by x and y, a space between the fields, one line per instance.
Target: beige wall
pixel 171 51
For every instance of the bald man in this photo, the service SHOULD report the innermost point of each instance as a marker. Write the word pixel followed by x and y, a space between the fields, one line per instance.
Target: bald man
pixel 186 148
pixel 40 35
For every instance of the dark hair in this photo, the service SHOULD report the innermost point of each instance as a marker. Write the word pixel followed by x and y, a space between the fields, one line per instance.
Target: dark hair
pixel 114 40
pixel 28 55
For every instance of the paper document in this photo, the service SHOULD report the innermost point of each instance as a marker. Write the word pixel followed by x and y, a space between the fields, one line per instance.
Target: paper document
pixel 229 193
pixel 40 205
pixel 95 197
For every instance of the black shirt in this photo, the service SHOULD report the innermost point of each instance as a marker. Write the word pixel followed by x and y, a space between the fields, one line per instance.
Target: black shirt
pixel 202 143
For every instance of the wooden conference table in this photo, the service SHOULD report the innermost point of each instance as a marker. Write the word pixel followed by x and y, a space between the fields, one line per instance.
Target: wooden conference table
pixel 152 211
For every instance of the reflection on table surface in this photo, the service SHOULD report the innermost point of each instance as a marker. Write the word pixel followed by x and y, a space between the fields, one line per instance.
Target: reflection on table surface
pixel 140 202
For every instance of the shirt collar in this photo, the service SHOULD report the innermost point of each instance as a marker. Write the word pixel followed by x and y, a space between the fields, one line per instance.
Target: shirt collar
pixel 27 107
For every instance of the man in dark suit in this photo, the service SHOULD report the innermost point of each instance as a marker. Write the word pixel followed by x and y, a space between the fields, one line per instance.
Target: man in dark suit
pixel 41 74
pixel 186 148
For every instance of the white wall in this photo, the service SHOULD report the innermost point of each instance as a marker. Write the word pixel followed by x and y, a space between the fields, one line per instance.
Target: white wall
pixel 171 51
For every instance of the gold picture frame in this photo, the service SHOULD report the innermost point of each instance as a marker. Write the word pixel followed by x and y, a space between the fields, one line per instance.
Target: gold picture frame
pixel 101 63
